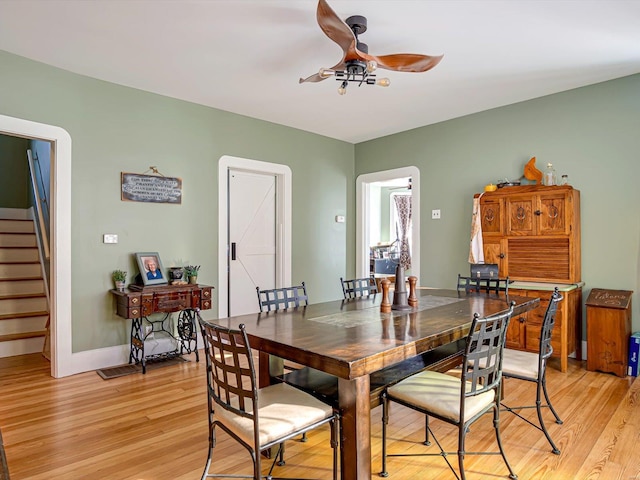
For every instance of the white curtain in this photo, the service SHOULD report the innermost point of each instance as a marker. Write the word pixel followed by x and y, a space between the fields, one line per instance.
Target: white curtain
pixel 476 253
pixel 403 225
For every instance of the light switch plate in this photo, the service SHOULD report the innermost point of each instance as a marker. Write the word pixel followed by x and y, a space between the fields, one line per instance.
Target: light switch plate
pixel 339 218
pixel 110 238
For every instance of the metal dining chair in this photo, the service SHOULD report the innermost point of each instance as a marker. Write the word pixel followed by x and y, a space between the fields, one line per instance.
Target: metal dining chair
pixel 276 299
pixel 532 367
pixel 258 419
pixel 459 401
pixel 483 284
pixel 359 287
pixel 282 298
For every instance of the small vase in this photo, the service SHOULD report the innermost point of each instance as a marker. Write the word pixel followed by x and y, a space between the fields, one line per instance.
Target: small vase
pixel 120 286
pixel 193 279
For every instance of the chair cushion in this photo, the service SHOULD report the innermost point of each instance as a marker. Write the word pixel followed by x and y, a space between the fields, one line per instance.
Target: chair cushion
pixel 439 393
pixel 521 364
pixel 282 410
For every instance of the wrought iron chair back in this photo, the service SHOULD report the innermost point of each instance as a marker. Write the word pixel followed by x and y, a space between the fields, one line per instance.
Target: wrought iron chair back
pixel 359 287
pixel 282 298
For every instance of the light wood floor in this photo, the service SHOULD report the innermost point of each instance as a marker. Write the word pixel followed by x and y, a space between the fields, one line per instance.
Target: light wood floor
pixel 154 427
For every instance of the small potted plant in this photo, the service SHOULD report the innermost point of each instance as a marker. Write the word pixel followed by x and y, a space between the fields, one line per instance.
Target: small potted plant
pixel 191 271
pixel 119 277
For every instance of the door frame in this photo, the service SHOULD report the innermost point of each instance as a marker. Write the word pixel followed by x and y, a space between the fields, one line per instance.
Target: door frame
pixel 283 219
pixel 62 363
pixel 363 209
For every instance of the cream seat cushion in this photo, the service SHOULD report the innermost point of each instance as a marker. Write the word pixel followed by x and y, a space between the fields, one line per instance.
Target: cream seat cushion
pixel 522 364
pixel 282 410
pixel 440 394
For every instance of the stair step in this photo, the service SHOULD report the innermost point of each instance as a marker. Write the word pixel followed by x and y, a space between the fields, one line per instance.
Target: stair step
pixel 18 254
pixel 21 336
pixel 16 296
pixel 21 286
pixel 23 304
pixel 20 270
pixel 24 324
pixel 16 226
pixel 10 316
pixel 17 240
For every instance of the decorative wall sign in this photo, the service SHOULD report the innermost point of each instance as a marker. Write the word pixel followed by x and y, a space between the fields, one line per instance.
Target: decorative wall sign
pixel 151 188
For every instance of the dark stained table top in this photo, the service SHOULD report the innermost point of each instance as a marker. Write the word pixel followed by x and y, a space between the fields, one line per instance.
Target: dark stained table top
pixel 352 338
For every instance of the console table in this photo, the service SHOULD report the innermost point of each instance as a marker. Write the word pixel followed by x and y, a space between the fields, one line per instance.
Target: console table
pixel 138 303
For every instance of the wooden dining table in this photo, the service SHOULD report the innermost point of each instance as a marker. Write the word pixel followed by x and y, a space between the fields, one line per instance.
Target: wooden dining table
pixel 352 339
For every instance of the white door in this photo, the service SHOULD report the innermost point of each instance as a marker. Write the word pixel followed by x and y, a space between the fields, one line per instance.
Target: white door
pixel 252 238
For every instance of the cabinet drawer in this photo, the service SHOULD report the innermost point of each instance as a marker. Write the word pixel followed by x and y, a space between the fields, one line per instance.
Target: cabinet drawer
pixel 128 312
pixel 172 302
pixel 131 300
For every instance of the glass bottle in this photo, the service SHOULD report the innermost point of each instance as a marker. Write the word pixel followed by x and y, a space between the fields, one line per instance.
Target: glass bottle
pixel 564 180
pixel 549 177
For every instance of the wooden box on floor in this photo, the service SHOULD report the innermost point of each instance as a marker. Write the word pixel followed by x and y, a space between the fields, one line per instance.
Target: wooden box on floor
pixel 608 330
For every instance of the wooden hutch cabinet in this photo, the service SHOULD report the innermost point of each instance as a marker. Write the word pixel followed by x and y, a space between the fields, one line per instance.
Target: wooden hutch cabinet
pixel 533 233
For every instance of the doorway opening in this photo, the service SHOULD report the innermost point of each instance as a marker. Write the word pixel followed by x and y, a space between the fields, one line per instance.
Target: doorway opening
pixel 60 286
pixel 370 190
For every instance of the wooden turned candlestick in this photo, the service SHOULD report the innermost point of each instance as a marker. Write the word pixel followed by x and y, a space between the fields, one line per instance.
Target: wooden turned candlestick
pixel 385 306
pixel 413 299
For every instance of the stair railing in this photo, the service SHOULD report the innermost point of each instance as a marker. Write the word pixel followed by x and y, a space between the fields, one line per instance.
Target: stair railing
pixel 42 232
pixel 42 203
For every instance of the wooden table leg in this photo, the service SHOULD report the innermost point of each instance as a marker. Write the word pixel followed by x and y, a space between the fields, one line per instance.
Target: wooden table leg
pixel 268 367
pixel 355 442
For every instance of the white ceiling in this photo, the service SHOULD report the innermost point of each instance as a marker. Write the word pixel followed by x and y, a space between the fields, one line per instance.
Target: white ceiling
pixel 246 56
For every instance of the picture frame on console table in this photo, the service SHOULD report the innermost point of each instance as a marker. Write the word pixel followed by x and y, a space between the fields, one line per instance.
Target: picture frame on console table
pixel 151 269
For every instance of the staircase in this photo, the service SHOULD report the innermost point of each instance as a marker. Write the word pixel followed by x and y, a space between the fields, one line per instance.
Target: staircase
pixel 24 310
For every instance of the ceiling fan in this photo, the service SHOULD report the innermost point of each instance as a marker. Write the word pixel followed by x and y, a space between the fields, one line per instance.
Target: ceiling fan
pixel 356 64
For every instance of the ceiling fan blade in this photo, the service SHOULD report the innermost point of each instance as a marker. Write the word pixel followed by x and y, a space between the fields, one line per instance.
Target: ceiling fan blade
pixel 334 27
pixel 316 77
pixel 312 78
pixel 405 62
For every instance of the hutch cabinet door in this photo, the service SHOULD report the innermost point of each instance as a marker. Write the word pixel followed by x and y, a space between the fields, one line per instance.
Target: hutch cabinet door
pixel 491 220
pixel 520 215
pixel 515 338
pixel 553 214
pixel 493 254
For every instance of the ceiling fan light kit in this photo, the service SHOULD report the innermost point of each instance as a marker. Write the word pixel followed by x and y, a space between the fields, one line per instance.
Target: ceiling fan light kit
pixel 357 66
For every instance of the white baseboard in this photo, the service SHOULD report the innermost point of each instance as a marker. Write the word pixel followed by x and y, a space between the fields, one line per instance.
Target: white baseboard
pixel 111 356
pixel 100 358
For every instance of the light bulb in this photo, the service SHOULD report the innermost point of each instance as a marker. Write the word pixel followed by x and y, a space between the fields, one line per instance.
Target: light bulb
pixel 343 88
pixel 371 66
pixel 383 82
pixel 326 72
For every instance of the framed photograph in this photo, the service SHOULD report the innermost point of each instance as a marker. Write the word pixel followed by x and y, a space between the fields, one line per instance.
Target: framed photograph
pixel 151 269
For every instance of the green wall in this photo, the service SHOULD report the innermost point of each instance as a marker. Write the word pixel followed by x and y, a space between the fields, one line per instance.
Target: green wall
pixel 591 134
pixel 14 172
pixel 117 129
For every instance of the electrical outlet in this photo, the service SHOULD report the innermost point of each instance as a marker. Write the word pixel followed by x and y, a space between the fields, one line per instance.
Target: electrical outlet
pixel 435 214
